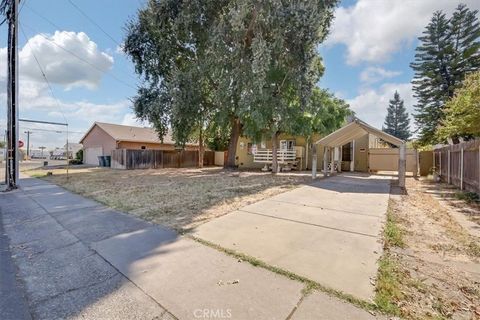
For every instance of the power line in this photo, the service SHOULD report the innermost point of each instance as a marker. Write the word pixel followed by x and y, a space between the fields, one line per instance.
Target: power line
pixel 60 28
pixel 44 75
pixel 93 21
pixel 81 59
pixel 48 130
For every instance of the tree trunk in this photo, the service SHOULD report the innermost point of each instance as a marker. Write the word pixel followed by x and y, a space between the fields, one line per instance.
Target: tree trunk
pixel 275 167
pixel 232 145
pixel 201 149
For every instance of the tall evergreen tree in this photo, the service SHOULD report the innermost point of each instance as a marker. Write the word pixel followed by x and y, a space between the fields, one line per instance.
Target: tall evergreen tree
pixel 449 49
pixel 397 122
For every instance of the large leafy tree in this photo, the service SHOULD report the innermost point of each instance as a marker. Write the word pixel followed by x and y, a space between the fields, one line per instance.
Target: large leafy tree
pixel 462 112
pixel 226 66
pixel 324 114
pixel 167 43
pixel 266 63
pixel 449 49
pixel 397 122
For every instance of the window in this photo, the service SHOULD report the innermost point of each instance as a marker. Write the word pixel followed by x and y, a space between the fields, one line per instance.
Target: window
pixel 287 144
pixel 143 147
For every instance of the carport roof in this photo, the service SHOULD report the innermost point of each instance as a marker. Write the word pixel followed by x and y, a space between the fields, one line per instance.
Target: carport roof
pixel 354 130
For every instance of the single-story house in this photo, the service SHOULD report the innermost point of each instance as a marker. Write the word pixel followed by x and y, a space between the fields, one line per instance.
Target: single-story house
pixel 367 151
pixel 102 138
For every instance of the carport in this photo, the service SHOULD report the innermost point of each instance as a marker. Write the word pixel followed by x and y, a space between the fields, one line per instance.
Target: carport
pixel 349 133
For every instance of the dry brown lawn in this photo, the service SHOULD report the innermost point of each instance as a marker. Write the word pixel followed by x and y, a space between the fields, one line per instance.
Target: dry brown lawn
pixel 178 198
pixel 439 265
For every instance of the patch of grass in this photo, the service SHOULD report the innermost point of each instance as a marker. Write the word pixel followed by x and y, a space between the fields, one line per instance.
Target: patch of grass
pixel 474 249
pixel 310 285
pixel 469 197
pixel 393 233
pixel 388 285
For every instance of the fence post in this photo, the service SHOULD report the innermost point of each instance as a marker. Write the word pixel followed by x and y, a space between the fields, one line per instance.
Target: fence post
pixel 434 162
pixel 448 169
pixel 478 189
pixel 461 168
pixel 440 163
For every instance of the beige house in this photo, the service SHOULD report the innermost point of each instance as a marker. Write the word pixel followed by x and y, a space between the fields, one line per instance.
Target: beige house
pixel 102 138
pixel 303 151
pixel 366 152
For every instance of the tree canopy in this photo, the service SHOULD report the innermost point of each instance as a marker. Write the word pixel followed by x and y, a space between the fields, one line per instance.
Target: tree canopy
pixel 449 49
pixel 462 112
pixel 231 66
pixel 397 122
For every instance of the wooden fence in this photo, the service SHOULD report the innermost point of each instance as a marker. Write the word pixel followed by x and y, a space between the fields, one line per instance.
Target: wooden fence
pixel 459 164
pixel 156 159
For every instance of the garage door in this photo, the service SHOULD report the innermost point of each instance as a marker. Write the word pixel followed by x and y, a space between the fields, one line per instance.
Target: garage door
pixel 91 155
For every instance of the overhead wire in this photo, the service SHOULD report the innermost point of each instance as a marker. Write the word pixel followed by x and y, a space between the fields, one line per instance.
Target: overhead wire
pixel 84 60
pixel 60 28
pixel 95 23
pixel 43 74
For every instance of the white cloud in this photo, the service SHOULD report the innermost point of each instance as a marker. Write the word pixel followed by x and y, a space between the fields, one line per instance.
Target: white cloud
pixel 68 71
pixel 372 75
pixel 371 105
pixel 374 30
pixel 62 66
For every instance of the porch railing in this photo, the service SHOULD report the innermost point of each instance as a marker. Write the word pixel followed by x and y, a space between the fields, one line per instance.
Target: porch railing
pixel 283 156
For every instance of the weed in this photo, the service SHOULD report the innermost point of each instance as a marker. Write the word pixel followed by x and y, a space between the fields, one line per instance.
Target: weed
pixel 469 197
pixel 393 233
pixel 388 285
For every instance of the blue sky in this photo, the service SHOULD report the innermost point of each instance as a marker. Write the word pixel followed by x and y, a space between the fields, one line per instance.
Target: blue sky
pixel 366 55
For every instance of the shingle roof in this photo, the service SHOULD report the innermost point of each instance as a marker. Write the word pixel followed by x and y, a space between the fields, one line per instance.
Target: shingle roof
pixel 354 130
pixel 132 134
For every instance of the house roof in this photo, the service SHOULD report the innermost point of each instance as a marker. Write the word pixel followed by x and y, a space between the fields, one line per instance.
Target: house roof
pixel 355 130
pixel 131 134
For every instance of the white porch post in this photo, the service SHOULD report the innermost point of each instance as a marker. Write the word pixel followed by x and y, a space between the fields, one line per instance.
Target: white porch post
pixel 314 160
pixel 352 154
pixel 402 166
pixel 340 149
pixel 332 160
pixel 325 161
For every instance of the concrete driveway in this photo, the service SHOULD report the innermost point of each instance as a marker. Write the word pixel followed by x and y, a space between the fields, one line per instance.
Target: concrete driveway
pixel 329 231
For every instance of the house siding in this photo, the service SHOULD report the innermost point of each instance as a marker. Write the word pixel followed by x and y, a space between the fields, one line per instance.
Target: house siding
pixel 99 138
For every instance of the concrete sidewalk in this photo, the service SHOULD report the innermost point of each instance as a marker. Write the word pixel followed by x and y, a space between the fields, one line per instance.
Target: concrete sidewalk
pixel 329 232
pixel 81 260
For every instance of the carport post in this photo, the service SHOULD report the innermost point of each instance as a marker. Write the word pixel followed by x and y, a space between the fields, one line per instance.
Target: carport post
pixel 352 157
pixel 340 158
pixel 332 160
pixel 325 165
pixel 314 160
pixel 402 166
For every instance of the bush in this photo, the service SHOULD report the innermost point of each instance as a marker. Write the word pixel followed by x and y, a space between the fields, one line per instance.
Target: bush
pixel 79 155
pixel 469 197
pixel 75 161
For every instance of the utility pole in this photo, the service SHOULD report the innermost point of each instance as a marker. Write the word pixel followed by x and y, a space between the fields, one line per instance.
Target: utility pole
pixel 12 96
pixel 28 142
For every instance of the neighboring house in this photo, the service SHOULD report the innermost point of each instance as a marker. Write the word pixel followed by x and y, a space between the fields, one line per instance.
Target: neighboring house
pixel 72 149
pixel 102 138
pixel 299 154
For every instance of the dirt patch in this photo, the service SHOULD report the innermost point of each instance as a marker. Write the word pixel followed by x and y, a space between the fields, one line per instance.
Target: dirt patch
pixel 437 271
pixel 178 198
